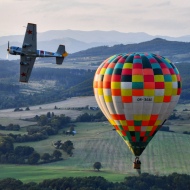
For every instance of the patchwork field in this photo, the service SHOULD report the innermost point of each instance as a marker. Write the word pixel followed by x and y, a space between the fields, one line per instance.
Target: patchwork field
pixel 35 110
pixel 40 173
pixel 167 153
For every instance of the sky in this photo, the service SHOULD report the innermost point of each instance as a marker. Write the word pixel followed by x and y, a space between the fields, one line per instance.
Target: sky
pixel 163 17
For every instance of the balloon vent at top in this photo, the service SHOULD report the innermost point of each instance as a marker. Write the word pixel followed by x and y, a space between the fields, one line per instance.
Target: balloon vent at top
pixel 137 93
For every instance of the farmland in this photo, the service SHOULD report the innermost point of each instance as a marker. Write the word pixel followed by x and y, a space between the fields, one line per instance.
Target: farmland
pixel 167 153
pixel 44 108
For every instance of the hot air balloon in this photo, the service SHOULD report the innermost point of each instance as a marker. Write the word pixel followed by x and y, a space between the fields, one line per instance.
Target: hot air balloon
pixel 137 93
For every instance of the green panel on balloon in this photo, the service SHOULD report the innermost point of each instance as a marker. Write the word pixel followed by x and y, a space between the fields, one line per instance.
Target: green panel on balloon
pixel 120 127
pixel 137 85
pixel 147 133
pixel 137 136
pixel 128 135
pixel 137 123
pixel 126 138
pixel 149 139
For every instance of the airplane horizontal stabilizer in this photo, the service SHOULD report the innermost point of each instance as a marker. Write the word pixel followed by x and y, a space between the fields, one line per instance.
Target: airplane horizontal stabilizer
pixel 59 60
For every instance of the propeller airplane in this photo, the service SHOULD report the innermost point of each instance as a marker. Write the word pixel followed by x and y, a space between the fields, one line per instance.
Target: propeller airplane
pixel 29 52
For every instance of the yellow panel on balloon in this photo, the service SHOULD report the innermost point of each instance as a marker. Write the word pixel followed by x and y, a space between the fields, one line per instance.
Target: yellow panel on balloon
pixel 128 66
pixel 103 70
pixel 100 91
pixel 137 78
pixel 108 98
pixel 149 128
pixel 149 92
pixel 174 91
pixel 131 128
pixel 158 78
pixel 157 122
pixel 115 85
pixel 146 117
pixel 126 92
pixel 174 78
pixel 168 92
pixel 123 122
pixel 112 121
pixel 158 99
pixel 168 85
pixel 137 117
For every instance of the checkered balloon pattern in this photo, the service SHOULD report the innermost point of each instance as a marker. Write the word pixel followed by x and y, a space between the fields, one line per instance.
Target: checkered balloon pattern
pixel 137 92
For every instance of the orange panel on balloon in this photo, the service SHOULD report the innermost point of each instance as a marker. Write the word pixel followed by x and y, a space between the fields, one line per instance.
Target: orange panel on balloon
pixel 106 84
pixel 149 85
pixel 100 84
pixel 111 65
pixel 137 72
pixel 167 98
pixel 126 99
pixel 166 71
pixel 123 132
pixel 116 92
pixel 125 128
pixel 144 123
pixel 148 72
pixel 137 92
pixel 142 134
pixel 130 123
pixel 107 77
pixel 137 128
pixel 114 116
pixel 153 117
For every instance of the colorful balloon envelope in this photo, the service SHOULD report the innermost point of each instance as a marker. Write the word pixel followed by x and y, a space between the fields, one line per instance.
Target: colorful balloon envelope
pixel 137 92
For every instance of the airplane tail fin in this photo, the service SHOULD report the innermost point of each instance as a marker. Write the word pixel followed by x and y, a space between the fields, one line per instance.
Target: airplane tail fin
pixel 61 51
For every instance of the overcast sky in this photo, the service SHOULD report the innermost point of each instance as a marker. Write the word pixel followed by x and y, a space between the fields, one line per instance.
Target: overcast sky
pixel 161 17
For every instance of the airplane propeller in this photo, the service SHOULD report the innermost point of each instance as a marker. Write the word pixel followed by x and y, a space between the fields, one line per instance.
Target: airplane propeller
pixel 8 51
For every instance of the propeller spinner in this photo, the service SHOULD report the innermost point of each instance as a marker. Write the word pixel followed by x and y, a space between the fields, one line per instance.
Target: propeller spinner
pixel 8 51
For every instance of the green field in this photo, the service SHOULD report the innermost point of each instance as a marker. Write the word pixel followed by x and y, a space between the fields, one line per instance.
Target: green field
pixel 167 153
pixel 40 173
pixel 84 131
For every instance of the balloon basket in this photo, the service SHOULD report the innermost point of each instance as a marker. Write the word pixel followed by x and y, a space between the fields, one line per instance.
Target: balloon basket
pixel 136 166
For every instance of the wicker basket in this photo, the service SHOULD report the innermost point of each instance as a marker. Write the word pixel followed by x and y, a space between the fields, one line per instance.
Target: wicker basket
pixel 136 166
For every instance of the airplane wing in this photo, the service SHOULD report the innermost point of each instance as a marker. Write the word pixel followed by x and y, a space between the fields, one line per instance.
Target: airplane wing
pixel 29 49
pixel 30 40
pixel 26 65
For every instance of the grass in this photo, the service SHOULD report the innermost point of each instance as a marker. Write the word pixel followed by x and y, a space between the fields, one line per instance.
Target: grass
pixel 165 154
pixel 22 131
pixel 84 131
pixel 39 173
pixel 34 110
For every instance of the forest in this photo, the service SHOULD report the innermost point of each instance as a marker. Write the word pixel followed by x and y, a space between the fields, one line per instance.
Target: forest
pixel 145 181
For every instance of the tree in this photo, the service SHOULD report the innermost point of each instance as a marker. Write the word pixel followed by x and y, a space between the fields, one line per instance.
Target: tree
pixel 56 122
pixel 72 128
pixel 48 115
pixel 27 109
pixel 45 157
pixel 97 165
pixel 34 158
pixel 57 154
pixel 43 120
pixel 55 107
pixel 52 114
pixel 58 143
